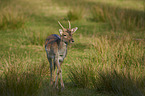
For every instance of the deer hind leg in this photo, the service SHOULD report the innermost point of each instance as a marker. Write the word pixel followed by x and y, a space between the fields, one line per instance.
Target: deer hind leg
pixel 54 74
pixel 50 61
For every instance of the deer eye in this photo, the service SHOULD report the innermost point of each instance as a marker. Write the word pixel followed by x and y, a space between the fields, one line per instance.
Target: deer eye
pixel 64 35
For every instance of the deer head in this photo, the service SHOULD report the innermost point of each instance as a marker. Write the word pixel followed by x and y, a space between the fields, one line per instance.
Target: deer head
pixel 66 34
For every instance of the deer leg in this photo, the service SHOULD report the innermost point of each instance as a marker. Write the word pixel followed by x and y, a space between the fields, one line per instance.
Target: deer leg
pixel 56 82
pixel 50 61
pixel 58 71
pixel 54 74
pixel 62 84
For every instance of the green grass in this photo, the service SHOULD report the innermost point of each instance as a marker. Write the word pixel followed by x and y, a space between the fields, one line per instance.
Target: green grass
pixel 106 59
pixel 119 19
pixel 111 66
pixel 75 14
pixel 11 19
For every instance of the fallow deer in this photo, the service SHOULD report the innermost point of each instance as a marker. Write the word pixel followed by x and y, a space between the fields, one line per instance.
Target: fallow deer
pixel 56 50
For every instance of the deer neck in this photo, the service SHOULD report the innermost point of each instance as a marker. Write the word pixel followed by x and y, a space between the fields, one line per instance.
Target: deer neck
pixel 62 44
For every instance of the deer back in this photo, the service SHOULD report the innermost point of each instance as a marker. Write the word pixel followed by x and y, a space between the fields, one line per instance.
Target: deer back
pixel 55 48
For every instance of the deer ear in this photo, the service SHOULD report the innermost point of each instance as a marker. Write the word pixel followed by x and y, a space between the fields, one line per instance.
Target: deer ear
pixel 60 31
pixel 74 30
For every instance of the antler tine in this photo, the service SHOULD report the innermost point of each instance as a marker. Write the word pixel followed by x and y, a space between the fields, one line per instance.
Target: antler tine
pixel 61 25
pixel 69 24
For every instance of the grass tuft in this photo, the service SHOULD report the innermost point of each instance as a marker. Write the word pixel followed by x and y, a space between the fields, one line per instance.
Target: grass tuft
pixel 75 14
pixel 118 18
pixel 21 78
pixel 11 19
pixel 119 83
pixel 111 67
pixel 34 37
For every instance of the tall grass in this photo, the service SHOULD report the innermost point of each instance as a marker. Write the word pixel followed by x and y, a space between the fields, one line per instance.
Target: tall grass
pixel 120 83
pixel 118 18
pixel 21 76
pixel 112 66
pixel 37 38
pixel 11 19
pixel 115 66
pixel 75 14
pixel 34 37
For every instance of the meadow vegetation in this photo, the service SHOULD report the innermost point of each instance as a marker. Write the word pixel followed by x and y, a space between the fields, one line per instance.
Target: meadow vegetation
pixel 107 57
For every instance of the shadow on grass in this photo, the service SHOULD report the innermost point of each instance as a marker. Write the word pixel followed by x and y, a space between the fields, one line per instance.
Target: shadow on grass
pixel 120 84
pixel 14 84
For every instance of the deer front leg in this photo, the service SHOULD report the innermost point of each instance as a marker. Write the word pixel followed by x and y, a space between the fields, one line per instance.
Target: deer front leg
pixel 58 72
pixel 62 84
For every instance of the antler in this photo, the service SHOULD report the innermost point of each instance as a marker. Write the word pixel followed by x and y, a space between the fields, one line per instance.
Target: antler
pixel 61 25
pixel 69 24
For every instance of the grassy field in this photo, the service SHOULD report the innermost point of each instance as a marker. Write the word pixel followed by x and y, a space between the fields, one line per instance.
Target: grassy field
pixel 106 59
